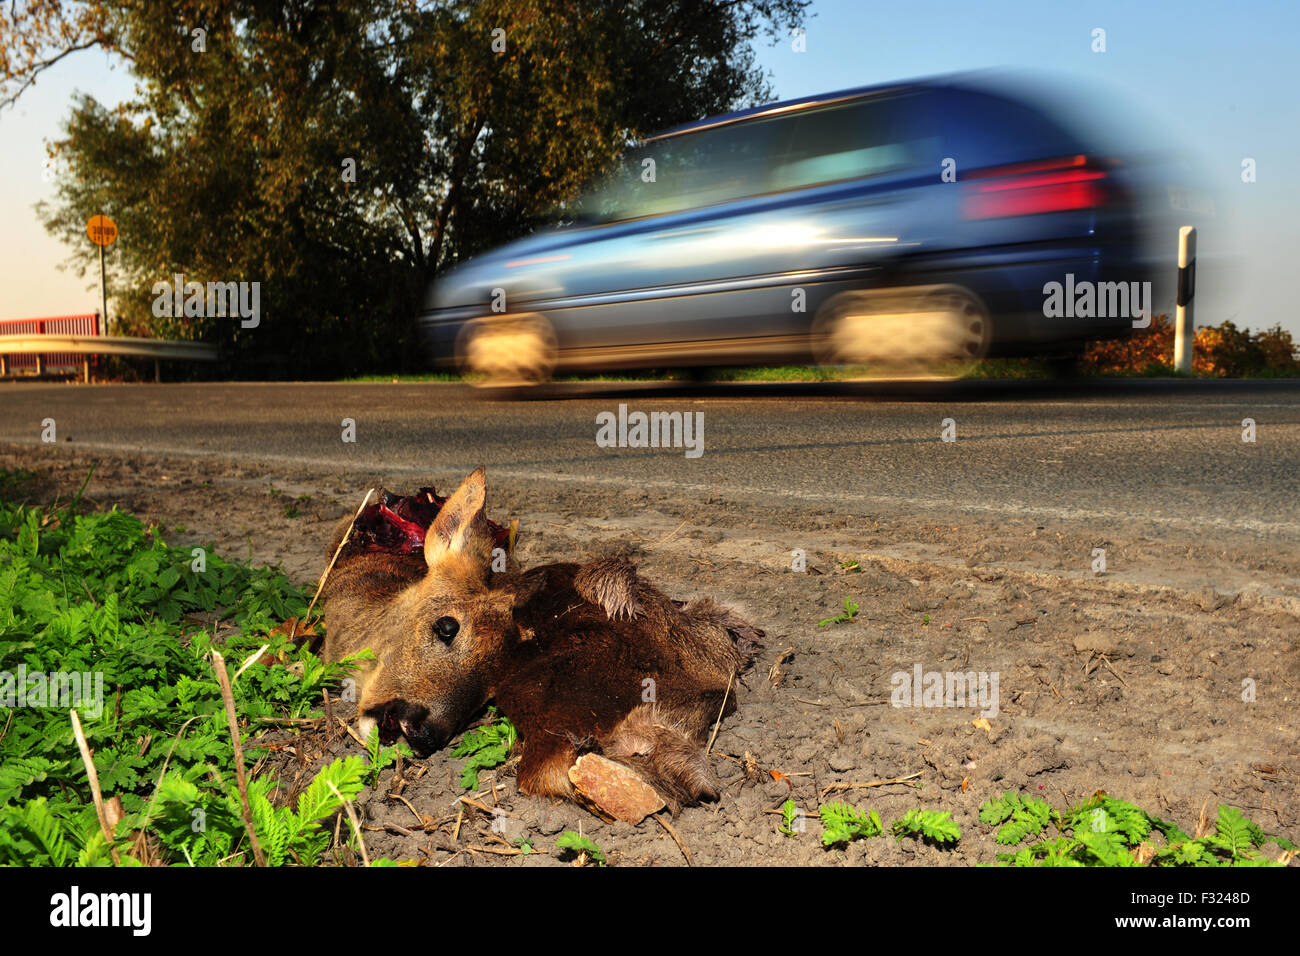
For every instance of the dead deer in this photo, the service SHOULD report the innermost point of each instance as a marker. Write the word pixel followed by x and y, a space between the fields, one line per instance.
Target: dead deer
pixel 581 658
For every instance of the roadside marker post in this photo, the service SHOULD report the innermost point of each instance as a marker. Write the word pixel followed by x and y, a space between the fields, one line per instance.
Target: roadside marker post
pixel 1184 336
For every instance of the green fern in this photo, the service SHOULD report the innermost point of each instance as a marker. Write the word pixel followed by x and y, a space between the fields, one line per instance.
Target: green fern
pixel 1104 831
pixel 1103 813
pixel 96 850
pixel 381 757
pixel 103 594
pixel 18 773
pixel 842 823
pixel 319 800
pixel 487 747
pixel 933 825
pixel 270 825
pixel 1024 816
pixel 789 813
pixel 577 843
pixel 1170 831
pixel 283 834
pixel 41 830
pixel 1237 832
pixel 1052 853
pixel 1102 848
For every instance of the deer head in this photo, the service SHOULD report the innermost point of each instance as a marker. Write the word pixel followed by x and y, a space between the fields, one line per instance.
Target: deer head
pixel 434 642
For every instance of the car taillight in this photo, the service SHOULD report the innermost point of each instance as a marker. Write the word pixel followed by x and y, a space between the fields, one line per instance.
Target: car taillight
pixel 1027 189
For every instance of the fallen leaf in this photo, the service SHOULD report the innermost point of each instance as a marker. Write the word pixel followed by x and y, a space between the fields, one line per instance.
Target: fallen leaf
pixel 779 777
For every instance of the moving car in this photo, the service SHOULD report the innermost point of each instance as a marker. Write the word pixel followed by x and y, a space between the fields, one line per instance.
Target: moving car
pixel 889 224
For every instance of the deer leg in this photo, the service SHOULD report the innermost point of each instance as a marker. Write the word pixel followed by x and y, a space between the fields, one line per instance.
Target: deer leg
pixel 544 765
pixel 742 639
pixel 665 745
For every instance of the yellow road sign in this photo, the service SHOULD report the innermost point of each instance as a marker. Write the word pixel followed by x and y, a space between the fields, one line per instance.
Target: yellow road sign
pixel 102 230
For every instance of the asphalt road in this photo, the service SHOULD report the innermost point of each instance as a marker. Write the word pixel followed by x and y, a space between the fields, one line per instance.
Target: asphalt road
pixel 1161 454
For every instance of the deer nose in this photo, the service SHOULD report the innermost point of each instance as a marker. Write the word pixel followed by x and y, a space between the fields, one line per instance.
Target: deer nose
pixel 429 738
pixel 399 718
pixel 425 736
pixel 390 727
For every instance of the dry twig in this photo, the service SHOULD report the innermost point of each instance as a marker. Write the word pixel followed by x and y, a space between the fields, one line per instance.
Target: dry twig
pixel 676 839
pixel 293 632
pixel 93 777
pixel 219 664
pixel 837 787
pixel 352 819
pixel 718 723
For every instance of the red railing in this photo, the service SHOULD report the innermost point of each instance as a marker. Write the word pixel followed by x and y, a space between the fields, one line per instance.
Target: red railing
pixel 52 325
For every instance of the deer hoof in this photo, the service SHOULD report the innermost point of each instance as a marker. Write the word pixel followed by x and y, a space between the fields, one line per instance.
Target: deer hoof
pixel 613 791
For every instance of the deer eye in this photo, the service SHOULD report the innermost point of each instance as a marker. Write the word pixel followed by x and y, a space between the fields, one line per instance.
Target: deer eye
pixel 446 628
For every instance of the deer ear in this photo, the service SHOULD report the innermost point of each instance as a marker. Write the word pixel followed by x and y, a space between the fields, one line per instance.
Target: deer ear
pixel 460 527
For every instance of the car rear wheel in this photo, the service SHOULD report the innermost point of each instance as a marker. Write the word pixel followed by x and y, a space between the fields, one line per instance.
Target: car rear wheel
pixel 903 330
pixel 505 351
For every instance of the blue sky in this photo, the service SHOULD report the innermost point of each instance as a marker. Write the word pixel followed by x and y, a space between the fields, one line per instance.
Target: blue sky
pixel 1220 81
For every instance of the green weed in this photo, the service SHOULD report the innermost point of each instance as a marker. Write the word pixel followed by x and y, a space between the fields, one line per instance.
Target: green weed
pixel 104 599
pixel 933 825
pixel 579 844
pixel 487 747
pixel 1104 831
pixel 841 823
pixel 850 613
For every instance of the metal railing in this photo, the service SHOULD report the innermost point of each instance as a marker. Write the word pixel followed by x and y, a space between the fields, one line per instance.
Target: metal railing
pixel 39 362
pixel 66 342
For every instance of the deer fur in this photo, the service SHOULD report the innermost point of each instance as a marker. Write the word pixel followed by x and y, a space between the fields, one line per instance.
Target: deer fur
pixel 581 658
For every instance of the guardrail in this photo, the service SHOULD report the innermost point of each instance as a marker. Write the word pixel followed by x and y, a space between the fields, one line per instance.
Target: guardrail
pixel 85 323
pixel 87 345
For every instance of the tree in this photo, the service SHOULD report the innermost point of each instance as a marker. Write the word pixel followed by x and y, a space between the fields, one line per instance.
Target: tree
pixel 341 154
pixel 1223 351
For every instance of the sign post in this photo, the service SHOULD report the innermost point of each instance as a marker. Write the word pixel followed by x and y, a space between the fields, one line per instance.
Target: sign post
pixel 102 232
pixel 1184 331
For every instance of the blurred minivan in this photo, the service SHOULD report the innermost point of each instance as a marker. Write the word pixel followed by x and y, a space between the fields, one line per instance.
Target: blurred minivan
pixel 915 221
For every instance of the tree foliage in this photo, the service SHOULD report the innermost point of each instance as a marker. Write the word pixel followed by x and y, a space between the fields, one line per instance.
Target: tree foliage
pixel 1223 351
pixel 468 121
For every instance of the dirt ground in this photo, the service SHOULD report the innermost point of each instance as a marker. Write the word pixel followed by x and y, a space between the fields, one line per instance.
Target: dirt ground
pixel 1131 681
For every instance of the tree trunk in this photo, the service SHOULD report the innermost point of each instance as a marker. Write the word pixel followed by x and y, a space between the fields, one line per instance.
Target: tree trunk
pixel 459 170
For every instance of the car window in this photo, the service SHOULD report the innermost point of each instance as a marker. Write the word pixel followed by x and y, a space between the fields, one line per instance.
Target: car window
pixel 845 141
pixel 978 129
pixel 682 172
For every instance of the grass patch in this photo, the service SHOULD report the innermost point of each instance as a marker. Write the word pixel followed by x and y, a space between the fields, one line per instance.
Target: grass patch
pixel 1104 831
pixel 16 483
pixel 996 369
pixel 404 377
pixel 1100 831
pixel 99 614
pixel 1009 368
